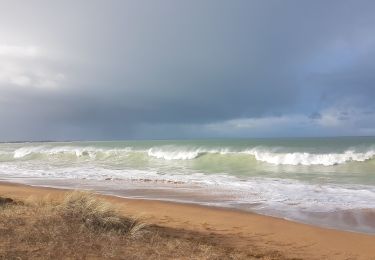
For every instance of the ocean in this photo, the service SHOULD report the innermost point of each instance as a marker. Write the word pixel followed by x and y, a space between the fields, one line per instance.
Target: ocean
pixel 327 182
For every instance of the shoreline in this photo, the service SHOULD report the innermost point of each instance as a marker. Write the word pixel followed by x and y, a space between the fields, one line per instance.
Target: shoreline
pixel 232 227
pixel 347 221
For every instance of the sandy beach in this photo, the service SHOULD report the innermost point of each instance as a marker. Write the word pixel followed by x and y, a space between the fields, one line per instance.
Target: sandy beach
pixel 240 230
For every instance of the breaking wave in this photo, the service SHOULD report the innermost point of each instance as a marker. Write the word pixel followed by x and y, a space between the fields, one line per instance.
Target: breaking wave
pixel 90 152
pixel 171 153
pixel 307 159
pixel 261 154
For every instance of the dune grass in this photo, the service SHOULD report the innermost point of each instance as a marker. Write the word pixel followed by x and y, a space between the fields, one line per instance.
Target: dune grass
pixel 81 226
pixel 96 215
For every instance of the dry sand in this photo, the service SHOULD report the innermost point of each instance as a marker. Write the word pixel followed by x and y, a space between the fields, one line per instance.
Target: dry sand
pixel 232 227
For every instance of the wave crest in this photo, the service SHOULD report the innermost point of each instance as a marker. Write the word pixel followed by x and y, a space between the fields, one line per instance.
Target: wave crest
pixel 91 152
pixel 176 153
pixel 262 154
pixel 173 154
pixel 308 159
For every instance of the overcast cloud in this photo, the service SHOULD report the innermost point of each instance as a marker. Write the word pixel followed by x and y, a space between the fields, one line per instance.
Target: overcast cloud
pixel 186 69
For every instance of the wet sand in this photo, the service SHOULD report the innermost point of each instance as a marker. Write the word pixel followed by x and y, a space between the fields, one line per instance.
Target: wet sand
pixel 232 227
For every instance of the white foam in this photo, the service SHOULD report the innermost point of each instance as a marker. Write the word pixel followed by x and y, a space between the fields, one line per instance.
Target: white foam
pixel 181 153
pixel 173 154
pixel 298 158
pixel 24 151
pixel 271 193
pixel 91 152
pixel 266 155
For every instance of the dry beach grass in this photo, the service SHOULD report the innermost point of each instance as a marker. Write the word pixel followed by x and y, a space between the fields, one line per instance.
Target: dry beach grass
pixel 81 226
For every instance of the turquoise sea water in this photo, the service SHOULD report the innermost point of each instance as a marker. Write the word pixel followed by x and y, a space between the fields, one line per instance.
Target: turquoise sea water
pixel 323 181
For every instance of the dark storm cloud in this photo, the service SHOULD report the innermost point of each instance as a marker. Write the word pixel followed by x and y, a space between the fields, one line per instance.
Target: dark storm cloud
pixel 113 69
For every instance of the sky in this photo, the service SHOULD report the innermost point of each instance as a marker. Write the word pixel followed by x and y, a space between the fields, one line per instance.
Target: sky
pixel 167 69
